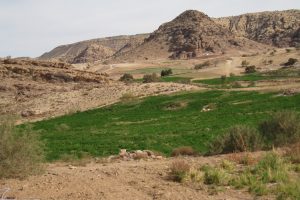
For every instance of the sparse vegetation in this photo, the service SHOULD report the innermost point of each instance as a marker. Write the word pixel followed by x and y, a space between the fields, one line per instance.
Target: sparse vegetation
pixel 250 69
pixel 179 170
pixel 127 78
pixel 184 151
pixel 149 78
pixel 166 72
pixel 21 153
pixel 290 62
pixel 283 128
pixel 202 65
pixel 127 97
pixel 238 139
pixel 245 63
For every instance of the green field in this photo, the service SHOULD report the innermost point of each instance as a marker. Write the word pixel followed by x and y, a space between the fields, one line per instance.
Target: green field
pixel 248 77
pixel 158 123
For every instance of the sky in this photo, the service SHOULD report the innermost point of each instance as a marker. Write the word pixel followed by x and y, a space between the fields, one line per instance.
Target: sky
pixel 32 27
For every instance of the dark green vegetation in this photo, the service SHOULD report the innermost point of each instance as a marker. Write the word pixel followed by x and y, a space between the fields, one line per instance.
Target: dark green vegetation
pixel 149 124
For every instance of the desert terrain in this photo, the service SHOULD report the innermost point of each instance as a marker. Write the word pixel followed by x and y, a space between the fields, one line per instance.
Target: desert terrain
pixel 85 114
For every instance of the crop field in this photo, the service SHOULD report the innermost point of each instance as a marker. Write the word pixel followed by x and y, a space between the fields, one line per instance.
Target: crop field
pixel 158 123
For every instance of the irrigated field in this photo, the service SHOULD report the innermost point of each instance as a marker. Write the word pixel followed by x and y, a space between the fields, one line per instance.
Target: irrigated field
pixel 159 123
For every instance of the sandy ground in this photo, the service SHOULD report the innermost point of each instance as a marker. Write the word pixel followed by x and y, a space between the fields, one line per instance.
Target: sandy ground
pixel 128 180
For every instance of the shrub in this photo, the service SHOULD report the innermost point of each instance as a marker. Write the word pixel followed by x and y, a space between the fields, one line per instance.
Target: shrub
pixel 179 170
pixel 127 78
pixel 223 79
pixel 166 72
pixel 236 85
pixel 250 69
pixel 239 138
pixel 202 65
pixel 290 62
pixel 288 50
pixel 289 191
pixel 214 176
pixel 128 97
pixel 245 63
pixel 283 128
pixel 183 151
pixel 148 78
pixel 21 152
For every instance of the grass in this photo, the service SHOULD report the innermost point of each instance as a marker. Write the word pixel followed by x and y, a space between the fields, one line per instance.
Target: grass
pixel 231 79
pixel 147 124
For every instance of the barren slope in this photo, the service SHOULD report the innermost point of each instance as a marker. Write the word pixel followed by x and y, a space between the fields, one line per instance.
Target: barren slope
pixel 279 28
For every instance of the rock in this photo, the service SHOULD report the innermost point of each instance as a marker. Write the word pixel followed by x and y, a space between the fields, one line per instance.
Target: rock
pixel 123 153
pixel 27 113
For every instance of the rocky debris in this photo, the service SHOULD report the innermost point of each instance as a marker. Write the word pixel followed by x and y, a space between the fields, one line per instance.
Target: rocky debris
pixel 137 155
pixel 279 28
pixel 31 62
pixel 47 71
pixel 27 113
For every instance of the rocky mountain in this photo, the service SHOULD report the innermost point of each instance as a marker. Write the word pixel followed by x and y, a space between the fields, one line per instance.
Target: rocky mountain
pixel 93 50
pixel 191 34
pixel 279 28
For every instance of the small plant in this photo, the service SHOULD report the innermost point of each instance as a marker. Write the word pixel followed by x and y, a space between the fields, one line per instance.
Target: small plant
pixel 250 69
pixel 128 97
pixel 236 85
pixel 288 50
pixel 21 152
pixel 179 170
pixel 290 62
pixel 239 138
pixel 252 84
pixel 214 176
pixel 148 78
pixel 283 128
pixel 166 72
pixel 183 151
pixel 289 191
pixel 127 78
pixel 245 63
pixel 223 79
pixel 202 65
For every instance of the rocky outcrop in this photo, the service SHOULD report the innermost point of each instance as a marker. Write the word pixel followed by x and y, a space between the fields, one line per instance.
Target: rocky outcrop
pixel 191 34
pixel 92 50
pixel 47 71
pixel 279 28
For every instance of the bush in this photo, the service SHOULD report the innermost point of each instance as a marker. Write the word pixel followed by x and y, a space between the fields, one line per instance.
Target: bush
pixel 239 138
pixel 127 78
pixel 183 151
pixel 282 129
pixel 148 78
pixel 214 176
pixel 21 152
pixel 223 79
pixel 245 63
pixel 128 97
pixel 202 65
pixel 250 69
pixel 166 72
pixel 290 62
pixel 179 170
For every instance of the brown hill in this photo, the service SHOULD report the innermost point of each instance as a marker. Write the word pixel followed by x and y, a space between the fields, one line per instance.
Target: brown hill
pixel 279 28
pixel 92 50
pixel 191 34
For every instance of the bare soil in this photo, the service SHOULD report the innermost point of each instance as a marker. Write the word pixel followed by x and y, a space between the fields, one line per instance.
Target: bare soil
pixel 139 179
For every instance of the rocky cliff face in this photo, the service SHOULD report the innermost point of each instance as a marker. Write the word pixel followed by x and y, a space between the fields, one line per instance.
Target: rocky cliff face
pixel 279 28
pixel 92 50
pixel 191 34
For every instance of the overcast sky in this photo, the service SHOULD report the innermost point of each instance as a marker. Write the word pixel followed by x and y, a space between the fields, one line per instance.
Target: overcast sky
pixel 32 27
